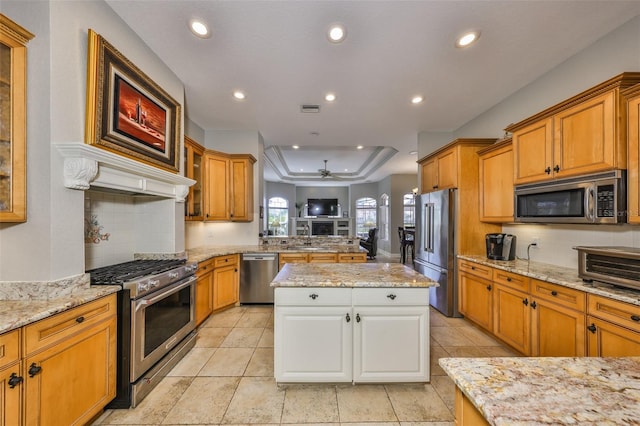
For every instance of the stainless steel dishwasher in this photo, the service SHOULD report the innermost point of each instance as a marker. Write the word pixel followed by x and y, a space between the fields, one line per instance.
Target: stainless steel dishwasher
pixel 256 273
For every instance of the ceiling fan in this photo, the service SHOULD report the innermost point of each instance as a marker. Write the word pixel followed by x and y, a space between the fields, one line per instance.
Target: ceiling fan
pixel 324 173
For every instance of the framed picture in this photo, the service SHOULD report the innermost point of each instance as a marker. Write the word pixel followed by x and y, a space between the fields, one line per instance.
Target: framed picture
pixel 13 120
pixel 127 112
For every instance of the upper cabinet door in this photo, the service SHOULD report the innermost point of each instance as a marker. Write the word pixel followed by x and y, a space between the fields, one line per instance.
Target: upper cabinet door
pixel 585 137
pixel 217 184
pixel 533 151
pixel 448 169
pixel 633 173
pixel 496 184
pixel 429 173
pixel 242 188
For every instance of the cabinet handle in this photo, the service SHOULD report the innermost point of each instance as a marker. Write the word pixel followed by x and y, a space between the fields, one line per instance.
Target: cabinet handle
pixel 534 305
pixel 357 317
pixel 554 293
pixel 80 320
pixel 14 380
pixel 547 170
pixel 34 369
pixel 348 318
pixel 435 186
pixel 391 296
pixel 313 296
pixel 508 279
pixel 525 301
pixel 592 328
pixel 556 168
pixel 489 287
pixel 635 318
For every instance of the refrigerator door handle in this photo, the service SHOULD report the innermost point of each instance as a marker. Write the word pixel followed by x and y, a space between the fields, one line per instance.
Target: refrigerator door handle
pixel 429 209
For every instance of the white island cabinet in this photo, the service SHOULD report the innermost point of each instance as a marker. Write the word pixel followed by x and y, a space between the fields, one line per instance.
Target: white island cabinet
pixel 345 326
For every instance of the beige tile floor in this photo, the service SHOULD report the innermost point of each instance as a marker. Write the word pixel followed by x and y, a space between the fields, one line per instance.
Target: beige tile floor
pixel 227 379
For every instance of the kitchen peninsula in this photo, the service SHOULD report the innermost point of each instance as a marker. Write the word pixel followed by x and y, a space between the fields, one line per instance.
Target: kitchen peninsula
pixel 351 323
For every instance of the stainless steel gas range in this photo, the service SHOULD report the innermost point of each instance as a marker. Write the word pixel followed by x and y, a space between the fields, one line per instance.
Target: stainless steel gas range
pixel 156 321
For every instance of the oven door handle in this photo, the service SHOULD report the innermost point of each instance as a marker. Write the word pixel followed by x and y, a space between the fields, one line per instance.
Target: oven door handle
pixel 144 302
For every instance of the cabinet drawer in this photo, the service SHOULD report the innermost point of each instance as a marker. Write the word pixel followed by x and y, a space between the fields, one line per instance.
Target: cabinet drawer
pixel 621 313
pixel 313 296
pixel 475 269
pixel 204 267
pixel 293 258
pixel 51 330
pixel 352 257
pixel 323 258
pixel 574 299
pixel 515 281
pixel 391 296
pixel 9 348
pixel 219 261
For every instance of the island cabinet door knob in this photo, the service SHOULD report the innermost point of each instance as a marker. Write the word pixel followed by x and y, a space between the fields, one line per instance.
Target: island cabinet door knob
pixel 348 318
pixel 313 296
pixel 357 317
pixel 391 296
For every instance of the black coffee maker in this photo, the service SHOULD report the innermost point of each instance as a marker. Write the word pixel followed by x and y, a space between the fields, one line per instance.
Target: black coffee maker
pixel 501 246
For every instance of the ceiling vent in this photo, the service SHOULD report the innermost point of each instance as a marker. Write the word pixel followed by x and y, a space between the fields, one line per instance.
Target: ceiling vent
pixel 310 108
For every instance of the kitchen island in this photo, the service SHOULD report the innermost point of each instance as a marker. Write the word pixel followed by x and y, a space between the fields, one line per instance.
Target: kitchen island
pixel 545 390
pixel 352 323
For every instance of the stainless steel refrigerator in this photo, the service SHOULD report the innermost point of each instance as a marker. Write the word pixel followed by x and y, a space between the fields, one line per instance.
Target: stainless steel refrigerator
pixel 435 247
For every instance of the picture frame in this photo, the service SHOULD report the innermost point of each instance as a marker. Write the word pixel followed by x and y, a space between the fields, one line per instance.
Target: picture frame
pixel 13 120
pixel 127 112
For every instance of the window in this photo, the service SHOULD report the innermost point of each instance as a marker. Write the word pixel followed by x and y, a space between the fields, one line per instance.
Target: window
pixel 409 210
pixel 384 217
pixel 278 216
pixel 365 216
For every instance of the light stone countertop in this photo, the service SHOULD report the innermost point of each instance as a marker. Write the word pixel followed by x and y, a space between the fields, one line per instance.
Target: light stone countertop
pixel 567 277
pixel 201 254
pixel 544 391
pixel 17 313
pixel 350 275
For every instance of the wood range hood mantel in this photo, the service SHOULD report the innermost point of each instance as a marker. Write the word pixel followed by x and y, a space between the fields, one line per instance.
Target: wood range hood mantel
pixel 86 166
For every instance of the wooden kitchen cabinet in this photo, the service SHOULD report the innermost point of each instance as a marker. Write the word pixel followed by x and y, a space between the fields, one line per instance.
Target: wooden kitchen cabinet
pixel 11 379
pixel 475 296
pixel 496 182
pixel 226 281
pixel 284 258
pixel 323 257
pixel 193 169
pixel 429 174
pixel 70 364
pixel 584 134
pixel 204 290
pixel 633 172
pixel 299 257
pixel 613 327
pixel 352 257
pixel 512 317
pixel 228 187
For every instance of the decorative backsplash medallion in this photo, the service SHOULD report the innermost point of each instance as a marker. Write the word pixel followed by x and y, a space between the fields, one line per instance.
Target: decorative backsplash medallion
pixel 93 231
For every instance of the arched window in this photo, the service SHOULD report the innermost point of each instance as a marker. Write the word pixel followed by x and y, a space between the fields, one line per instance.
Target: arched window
pixel 409 210
pixel 278 216
pixel 384 217
pixel 365 216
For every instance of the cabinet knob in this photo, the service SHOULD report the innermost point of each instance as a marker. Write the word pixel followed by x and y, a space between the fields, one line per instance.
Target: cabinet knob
pixel 554 293
pixel 534 305
pixel 357 317
pixel 489 287
pixel 348 318
pixel 525 301
pixel 14 380
pixel 592 328
pixel 635 318
pixel 34 369
pixel 547 170
pixel 80 320
pixel 435 186
pixel 313 296
pixel 473 268
pixel 508 279
pixel 391 296
pixel 556 168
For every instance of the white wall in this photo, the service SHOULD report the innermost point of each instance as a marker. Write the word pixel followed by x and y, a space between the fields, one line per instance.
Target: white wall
pixel 615 53
pixel 50 245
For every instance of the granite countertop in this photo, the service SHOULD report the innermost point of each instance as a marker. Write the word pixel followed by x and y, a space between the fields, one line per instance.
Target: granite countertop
pixel 543 391
pixel 350 275
pixel 563 276
pixel 17 313
pixel 201 254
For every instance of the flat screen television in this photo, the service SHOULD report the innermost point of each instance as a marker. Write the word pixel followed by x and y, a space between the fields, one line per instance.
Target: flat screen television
pixel 322 207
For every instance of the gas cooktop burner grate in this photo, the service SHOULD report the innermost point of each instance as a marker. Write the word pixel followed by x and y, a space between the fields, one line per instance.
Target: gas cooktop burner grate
pixel 129 271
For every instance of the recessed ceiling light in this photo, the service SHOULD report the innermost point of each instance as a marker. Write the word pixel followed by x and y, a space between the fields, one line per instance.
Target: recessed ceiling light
pixel 239 95
pixel 360 147
pixel 199 28
pixel 337 33
pixel 295 146
pixel 467 39
pixel 417 99
pixel 330 97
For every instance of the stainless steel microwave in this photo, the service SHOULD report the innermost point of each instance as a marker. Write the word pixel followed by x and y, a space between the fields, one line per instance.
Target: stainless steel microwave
pixel 596 198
